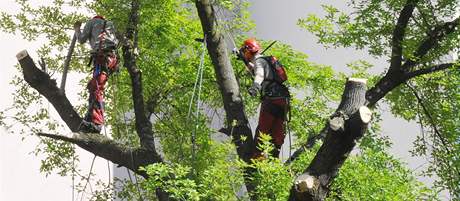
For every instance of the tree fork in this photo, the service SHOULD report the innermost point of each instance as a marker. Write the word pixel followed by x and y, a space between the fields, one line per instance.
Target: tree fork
pixel 346 126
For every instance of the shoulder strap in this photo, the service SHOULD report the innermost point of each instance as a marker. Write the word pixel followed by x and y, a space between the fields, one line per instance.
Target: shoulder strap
pixel 100 38
pixel 103 26
pixel 269 59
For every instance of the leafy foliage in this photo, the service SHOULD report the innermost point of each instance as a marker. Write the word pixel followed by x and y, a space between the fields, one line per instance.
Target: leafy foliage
pixel 377 176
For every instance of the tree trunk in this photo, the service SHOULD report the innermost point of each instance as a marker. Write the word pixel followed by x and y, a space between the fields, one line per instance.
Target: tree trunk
pixel 346 126
pixel 237 121
pixel 237 124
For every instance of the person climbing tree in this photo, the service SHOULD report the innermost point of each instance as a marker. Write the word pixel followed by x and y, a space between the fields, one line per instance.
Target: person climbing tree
pixel 100 34
pixel 269 76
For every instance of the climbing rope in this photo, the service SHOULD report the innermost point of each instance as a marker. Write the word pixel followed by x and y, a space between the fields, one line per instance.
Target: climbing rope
pixel 197 86
pixel 199 77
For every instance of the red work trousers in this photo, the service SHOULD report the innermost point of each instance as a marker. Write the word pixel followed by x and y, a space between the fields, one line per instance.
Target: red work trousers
pixel 271 121
pixel 96 88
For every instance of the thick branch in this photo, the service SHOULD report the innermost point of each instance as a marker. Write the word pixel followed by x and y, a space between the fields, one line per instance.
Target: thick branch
pixel 432 69
pixel 106 148
pixel 387 83
pixel 399 32
pixel 47 87
pixel 143 124
pixel 394 79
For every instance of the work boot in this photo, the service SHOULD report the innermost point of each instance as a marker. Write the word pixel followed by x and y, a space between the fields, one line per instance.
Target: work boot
pixel 89 127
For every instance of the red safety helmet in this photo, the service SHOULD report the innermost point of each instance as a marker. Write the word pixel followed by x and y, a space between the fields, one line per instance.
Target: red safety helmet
pixel 251 45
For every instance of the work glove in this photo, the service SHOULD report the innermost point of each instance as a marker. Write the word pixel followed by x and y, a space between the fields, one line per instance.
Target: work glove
pixel 254 89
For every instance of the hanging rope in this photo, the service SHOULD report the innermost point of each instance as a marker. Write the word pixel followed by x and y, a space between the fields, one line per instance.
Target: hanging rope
pixel 108 162
pixel 199 77
pixel 73 173
pixel 87 179
pixel 198 86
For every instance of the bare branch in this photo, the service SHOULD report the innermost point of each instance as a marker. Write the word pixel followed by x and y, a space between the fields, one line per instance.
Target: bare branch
pixel 59 137
pixel 399 32
pixel 308 145
pixel 97 144
pixel 427 113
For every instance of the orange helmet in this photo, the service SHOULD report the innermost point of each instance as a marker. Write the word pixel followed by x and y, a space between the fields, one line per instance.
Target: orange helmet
pixel 251 45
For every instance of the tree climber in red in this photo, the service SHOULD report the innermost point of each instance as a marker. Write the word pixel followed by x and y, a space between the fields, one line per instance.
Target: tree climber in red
pixel 269 76
pixel 100 34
